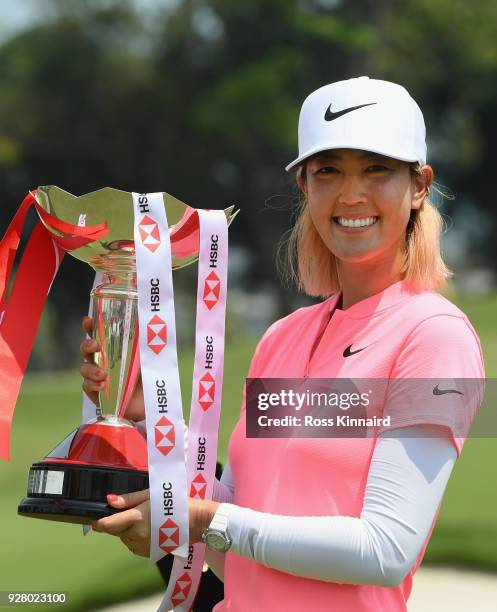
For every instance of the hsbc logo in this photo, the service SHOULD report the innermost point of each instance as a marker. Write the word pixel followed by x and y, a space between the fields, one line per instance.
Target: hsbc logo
pixel 164 436
pixel 156 334
pixel 168 536
pixel 198 487
pixel 149 233
pixel 181 589
pixel 206 391
pixel 212 287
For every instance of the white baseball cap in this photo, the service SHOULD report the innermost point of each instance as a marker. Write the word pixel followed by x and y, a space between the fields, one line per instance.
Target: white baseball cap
pixel 362 113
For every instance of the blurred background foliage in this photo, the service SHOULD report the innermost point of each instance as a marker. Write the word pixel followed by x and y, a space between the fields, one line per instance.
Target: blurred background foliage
pixel 200 98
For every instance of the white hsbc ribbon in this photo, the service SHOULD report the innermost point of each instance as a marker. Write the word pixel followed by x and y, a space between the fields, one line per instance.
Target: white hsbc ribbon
pixel 160 379
pixel 157 337
pixel 206 395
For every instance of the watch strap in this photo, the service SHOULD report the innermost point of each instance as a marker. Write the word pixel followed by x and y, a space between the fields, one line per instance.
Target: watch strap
pixel 220 518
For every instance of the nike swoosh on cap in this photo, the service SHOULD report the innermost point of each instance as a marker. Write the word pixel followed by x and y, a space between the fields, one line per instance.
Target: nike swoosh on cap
pixel 437 391
pixel 347 352
pixel 330 115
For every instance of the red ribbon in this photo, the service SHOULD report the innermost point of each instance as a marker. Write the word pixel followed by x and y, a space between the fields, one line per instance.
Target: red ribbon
pixel 20 313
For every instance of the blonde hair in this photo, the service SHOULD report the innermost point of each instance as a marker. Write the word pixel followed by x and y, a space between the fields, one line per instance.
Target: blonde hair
pixel 309 263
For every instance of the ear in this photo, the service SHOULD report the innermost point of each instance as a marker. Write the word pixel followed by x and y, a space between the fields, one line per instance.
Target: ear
pixel 421 183
pixel 301 181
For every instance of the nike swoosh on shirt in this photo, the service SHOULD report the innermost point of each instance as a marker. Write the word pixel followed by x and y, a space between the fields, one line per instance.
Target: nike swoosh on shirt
pixel 330 115
pixel 347 352
pixel 437 391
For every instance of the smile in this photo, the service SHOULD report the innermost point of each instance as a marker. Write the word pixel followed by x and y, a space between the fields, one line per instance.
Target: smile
pixel 360 222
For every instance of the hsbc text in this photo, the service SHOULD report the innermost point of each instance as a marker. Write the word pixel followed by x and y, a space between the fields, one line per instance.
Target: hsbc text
pixel 161 394
pixel 209 352
pixel 201 455
pixel 189 560
pixel 154 295
pixel 143 203
pixel 213 254
pixel 167 491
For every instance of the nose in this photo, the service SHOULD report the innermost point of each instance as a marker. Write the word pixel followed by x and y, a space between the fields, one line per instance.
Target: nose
pixel 351 191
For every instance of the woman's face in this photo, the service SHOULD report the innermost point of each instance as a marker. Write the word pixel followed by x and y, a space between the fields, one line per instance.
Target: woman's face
pixel 346 187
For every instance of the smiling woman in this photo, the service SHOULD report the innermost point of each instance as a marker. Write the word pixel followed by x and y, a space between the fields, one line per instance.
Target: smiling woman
pixel 343 523
pixel 303 523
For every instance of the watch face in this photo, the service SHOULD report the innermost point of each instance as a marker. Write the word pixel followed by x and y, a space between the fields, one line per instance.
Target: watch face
pixel 215 541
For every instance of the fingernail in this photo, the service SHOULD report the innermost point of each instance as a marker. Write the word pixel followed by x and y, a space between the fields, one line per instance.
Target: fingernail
pixel 100 373
pixel 112 497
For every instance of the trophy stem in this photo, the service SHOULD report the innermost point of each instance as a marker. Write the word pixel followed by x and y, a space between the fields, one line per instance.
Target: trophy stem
pixel 127 347
pixel 115 323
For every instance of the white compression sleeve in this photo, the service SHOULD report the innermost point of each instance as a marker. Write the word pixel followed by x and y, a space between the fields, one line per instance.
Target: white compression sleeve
pixel 406 483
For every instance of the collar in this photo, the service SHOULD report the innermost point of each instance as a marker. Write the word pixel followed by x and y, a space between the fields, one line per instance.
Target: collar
pixel 374 304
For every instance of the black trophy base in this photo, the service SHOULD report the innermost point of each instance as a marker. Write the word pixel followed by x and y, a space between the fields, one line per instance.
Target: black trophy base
pixel 75 493
pixel 64 510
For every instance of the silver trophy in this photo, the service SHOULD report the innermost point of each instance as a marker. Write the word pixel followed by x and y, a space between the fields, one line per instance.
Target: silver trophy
pixel 109 453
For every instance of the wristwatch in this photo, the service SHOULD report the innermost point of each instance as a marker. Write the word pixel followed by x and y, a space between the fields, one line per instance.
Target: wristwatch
pixel 217 536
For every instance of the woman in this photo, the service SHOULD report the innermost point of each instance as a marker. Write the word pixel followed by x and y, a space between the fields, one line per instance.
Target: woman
pixel 343 523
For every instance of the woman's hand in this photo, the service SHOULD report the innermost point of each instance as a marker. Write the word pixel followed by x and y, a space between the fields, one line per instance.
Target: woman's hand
pixel 94 377
pixel 132 525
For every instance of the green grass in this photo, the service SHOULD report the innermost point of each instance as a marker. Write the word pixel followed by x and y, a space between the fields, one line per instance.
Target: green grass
pixel 98 570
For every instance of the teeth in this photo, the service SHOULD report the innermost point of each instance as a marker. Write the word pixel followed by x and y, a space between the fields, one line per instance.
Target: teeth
pixel 357 222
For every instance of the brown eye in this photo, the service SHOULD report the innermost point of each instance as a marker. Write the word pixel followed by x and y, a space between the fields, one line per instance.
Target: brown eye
pixel 326 170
